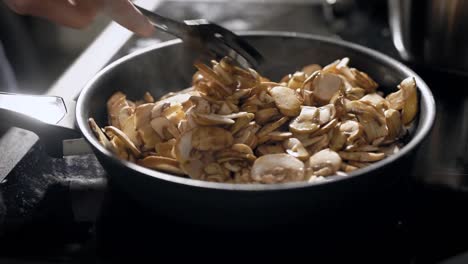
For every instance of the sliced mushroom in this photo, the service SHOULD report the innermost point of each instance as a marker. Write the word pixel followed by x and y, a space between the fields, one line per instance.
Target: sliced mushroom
pixel 347 167
pixel 241 123
pixel 166 149
pixel 296 80
pixel 266 115
pixel 295 148
pixel 361 156
pixel 364 81
pixel 325 163
pixel 164 128
pixel 124 138
pixel 146 133
pixel 268 128
pixel 393 123
pixel 161 163
pixel 100 135
pixel 376 100
pixel 279 136
pixel 211 138
pixel 309 69
pixel 247 135
pixel 326 113
pixel 325 86
pixel 267 149
pixel 307 121
pixel 118 108
pixel 405 99
pixel 352 129
pixel 355 93
pixel 276 168
pixel 319 145
pixel 287 100
pixel 410 107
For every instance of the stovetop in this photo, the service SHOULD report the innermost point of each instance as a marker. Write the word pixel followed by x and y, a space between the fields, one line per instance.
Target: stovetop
pixel 60 211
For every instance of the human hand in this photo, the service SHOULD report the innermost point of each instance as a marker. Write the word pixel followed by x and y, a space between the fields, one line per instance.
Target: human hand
pixel 81 13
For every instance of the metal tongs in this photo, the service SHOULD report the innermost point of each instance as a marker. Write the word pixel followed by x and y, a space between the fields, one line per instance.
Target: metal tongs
pixel 209 38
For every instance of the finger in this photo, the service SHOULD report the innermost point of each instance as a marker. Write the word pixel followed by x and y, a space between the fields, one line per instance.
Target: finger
pixel 124 13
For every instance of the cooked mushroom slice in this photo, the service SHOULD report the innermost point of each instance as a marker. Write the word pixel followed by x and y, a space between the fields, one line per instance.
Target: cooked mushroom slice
pixel 405 99
pixel 355 93
pixel 364 81
pixel 352 129
pixel 376 100
pixel 128 126
pixel 326 113
pixel 364 109
pixel 325 86
pixel 272 126
pixel 211 119
pixel 275 168
pixel 161 163
pixel 100 135
pixel 347 167
pixel 319 145
pixel 295 148
pixel 326 128
pixel 242 148
pixel 279 136
pixel 393 123
pixel 266 115
pixel 146 133
pixel 183 147
pixel 410 107
pixel 390 150
pixel 331 67
pixel 358 164
pixel 241 123
pixel 166 149
pixel 325 163
pixel 148 98
pixel 361 156
pixel 124 138
pixel 118 109
pixel 306 142
pixel 309 69
pixel 266 149
pixel 296 80
pixel 247 135
pixel 372 129
pixel 307 121
pixel 208 73
pixel 211 138
pixel 365 148
pixel 164 128
pixel 287 100
pixel 338 139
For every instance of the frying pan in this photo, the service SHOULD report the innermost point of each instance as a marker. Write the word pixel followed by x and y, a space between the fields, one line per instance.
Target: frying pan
pixel 168 67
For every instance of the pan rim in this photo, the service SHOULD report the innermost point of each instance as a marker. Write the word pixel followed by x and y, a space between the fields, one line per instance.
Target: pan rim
pixel 420 135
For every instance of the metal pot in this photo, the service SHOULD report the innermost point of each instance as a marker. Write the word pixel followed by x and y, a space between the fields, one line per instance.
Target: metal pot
pixel 168 67
pixel 432 32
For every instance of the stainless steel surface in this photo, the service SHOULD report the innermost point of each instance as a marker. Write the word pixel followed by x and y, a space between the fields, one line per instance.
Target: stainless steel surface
pixel 210 39
pixel 48 109
pixel 432 32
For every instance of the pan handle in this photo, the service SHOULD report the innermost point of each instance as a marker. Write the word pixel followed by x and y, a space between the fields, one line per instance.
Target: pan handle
pixel 50 117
